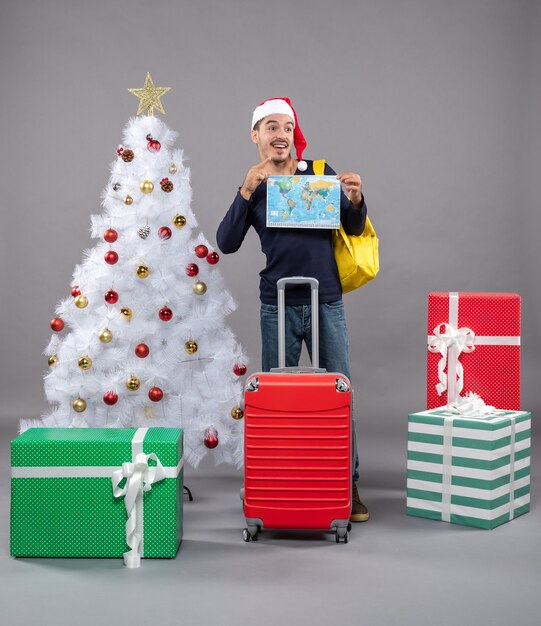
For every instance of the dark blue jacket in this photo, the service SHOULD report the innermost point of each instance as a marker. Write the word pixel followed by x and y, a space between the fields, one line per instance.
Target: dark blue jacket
pixel 290 251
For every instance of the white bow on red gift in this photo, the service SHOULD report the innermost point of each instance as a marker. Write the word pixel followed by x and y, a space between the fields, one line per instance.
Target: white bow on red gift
pixel 448 340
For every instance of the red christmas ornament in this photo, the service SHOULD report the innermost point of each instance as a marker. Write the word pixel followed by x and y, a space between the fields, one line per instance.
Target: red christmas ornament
pixel 110 398
pixel 164 232
pixel 111 296
pixel 155 394
pixel 213 258
pixel 154 145
pixel 57 324
pixel 165 314
pixel 239 369
pixel 201 251
pixel 142 350
pixel 211 437
pixel 120 150
pixel 110 235
pixel 192 269
pixel 75 291
pixel 211 442
pixel 111 257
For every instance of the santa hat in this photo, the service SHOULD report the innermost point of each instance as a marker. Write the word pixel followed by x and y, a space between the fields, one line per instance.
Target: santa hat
pixel 283 105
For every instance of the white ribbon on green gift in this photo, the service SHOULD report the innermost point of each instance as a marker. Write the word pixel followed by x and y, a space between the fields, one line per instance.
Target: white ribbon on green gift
pixel 512 470
pixel 451 342
pixel 139 478
pixel 462 408
pixel 447 467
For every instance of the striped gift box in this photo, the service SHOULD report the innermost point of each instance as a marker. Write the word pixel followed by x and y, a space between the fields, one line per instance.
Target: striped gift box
pixel 469 470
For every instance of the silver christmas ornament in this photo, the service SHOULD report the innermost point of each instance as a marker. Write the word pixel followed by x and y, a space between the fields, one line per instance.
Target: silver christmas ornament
pixel 144 232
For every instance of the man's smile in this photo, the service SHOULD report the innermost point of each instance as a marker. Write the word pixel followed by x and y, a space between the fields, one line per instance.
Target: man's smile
pixel 279 144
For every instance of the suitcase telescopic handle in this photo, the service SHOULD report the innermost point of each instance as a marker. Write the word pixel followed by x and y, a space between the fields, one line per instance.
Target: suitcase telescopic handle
pixel 314 286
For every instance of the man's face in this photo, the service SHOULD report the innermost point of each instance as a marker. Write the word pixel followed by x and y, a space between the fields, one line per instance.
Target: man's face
pixel 274 137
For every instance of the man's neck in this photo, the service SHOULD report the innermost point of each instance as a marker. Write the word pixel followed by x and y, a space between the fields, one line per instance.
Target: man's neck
pixel 283 168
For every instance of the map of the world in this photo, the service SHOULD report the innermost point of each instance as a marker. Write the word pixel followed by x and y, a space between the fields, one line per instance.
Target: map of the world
pixel 303 201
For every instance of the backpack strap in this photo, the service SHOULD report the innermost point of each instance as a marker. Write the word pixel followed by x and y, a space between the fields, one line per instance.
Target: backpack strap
pixel 319 167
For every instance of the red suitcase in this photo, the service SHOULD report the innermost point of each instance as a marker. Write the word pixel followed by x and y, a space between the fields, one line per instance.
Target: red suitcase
pixel 297 442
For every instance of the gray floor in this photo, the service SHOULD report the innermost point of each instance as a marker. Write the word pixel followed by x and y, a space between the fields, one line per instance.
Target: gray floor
pixel 395 569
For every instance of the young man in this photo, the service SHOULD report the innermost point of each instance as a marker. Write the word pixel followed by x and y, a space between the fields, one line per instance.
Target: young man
pixel 294 251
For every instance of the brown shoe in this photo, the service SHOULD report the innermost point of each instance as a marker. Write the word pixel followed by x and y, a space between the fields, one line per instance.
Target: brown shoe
pixel 359 513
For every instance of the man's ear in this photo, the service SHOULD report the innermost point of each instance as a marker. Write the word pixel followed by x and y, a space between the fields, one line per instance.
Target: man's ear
pixel 255 136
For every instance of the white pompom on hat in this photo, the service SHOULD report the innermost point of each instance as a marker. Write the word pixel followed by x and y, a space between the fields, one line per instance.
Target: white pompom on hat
pixel 283 105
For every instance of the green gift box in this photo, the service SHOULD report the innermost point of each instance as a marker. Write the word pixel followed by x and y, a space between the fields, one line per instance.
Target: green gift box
pixel 469 470
pixel 94 492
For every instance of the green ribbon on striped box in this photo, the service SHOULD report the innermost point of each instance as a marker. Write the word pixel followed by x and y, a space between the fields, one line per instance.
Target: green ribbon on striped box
pixel 93 492
pixel 469 470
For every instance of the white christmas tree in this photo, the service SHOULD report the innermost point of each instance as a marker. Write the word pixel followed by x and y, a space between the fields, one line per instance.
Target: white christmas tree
pixel 142 341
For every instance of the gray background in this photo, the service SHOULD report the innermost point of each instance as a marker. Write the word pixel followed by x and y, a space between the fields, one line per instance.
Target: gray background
pixel 436 105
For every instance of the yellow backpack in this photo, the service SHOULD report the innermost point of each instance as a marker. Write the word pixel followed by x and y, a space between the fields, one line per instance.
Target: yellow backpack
pixel 357 256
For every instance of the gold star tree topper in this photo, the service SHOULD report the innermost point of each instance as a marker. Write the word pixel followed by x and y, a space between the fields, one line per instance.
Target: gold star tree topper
pixel 149 96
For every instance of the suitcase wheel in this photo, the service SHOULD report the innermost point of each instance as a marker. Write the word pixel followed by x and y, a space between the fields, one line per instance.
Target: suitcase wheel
pixel 342 534
pixel 250 533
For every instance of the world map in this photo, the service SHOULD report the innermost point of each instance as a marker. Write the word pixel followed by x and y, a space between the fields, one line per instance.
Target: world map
pixel 303 201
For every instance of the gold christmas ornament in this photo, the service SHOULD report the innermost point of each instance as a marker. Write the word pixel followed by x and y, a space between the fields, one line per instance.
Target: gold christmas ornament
pixel 52 360
pixel 126 313
pixel 237 413
pixel 85 362
pixel 149 96
pixel 172 168
pixel 143 271
pixel 81 301
pixel 105 335
pixel 190 346
pixel 199 287
pixel 179 221
pixel 133 383
pixel 128 200
pixel 79 405
pixel 147 186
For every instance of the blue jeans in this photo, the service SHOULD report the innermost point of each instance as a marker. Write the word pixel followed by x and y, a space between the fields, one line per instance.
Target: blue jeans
pixel 333 340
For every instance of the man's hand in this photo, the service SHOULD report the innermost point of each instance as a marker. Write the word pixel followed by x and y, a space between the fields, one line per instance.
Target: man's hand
pixel 255 176
pixel 353 185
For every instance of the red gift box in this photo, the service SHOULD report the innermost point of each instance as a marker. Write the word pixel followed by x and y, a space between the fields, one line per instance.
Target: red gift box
pixel 474 345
